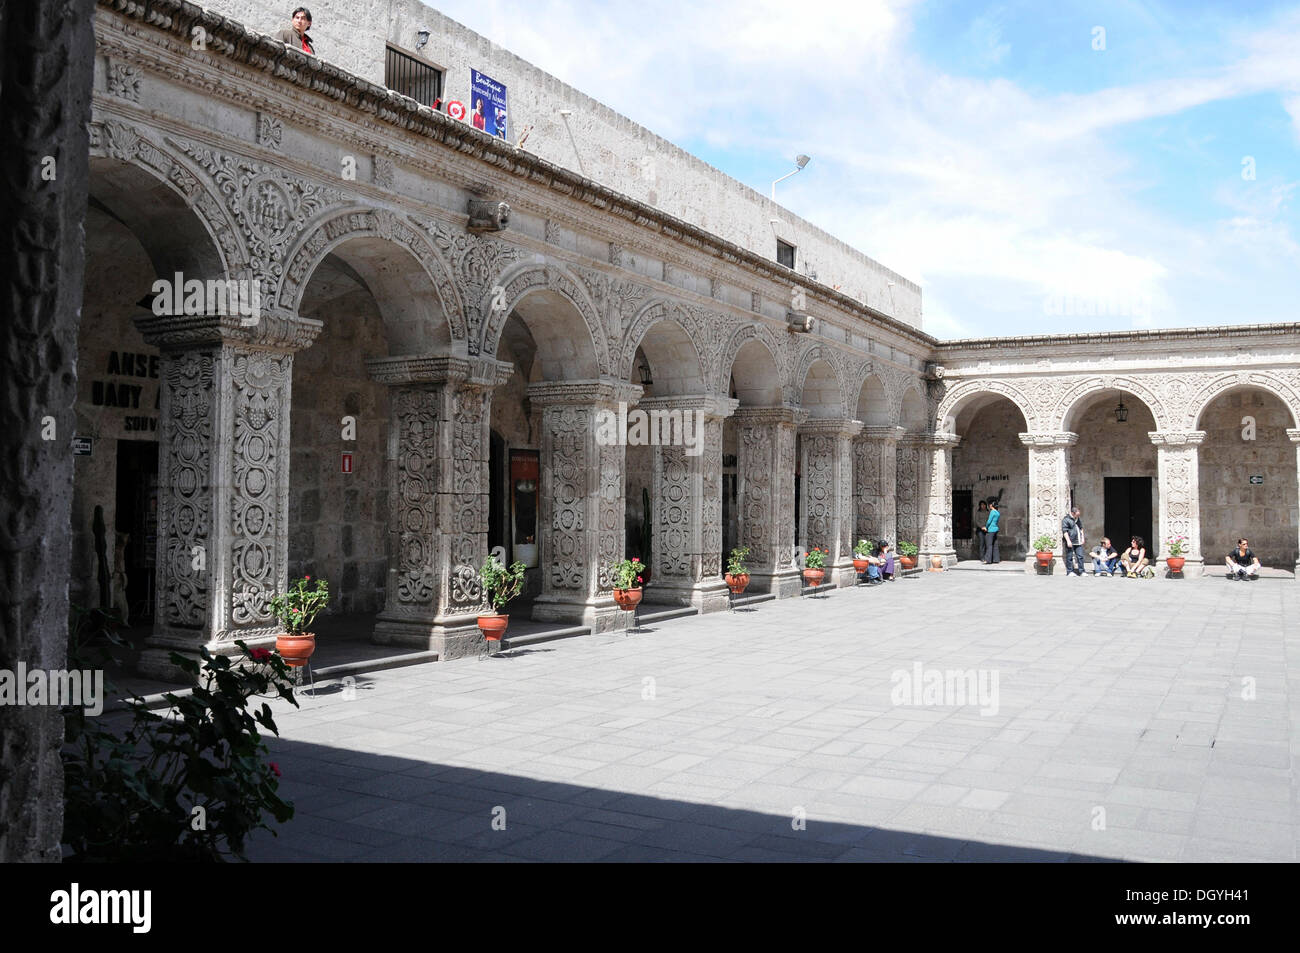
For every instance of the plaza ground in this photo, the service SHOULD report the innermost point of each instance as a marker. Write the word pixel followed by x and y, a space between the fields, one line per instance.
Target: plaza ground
pixel 1136 720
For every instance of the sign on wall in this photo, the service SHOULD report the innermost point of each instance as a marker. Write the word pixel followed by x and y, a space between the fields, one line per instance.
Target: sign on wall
pixel 1257 480
pixel 82 446
pixel 487 100
pixel 345 464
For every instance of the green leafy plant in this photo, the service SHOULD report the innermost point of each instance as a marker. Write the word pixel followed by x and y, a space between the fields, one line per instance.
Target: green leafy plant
pixel 626 573
pixel 1044 543
pixel 500 584
pixel 862 549
pixel 1176 546
pixel 187 784
pixel 816 558
pixel 297 608
pixel 736 561
pixel 908 549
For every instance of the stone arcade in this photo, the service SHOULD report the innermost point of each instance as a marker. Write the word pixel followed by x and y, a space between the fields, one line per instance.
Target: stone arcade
pixel 459 336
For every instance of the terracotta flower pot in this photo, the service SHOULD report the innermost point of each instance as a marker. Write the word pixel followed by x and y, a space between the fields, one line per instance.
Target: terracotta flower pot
pixel 627 599
pixel 936 563
pixel 814 577
pixel 737 584
pixel 1175 563
pixel 860 564
pixel 1044 558
pixel 295 648
pixel 493 626
pixel 907 562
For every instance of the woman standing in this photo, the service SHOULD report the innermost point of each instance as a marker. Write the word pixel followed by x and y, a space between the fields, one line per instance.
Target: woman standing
pixel 981 530
pixel 995 515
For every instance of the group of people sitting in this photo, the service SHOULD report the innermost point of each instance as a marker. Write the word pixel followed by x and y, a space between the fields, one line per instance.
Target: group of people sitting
pixel 880 565
pixel 1242 562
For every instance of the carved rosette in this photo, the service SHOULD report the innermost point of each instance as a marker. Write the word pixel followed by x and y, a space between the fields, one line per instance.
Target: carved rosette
pixel 1178 472
pixel 1049 481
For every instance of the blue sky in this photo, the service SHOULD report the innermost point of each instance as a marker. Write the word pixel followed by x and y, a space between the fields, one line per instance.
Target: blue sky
pixel 1036 167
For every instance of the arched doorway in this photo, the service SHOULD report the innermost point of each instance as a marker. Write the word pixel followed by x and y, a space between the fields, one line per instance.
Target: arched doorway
pixel 1247 478
pixel 991 464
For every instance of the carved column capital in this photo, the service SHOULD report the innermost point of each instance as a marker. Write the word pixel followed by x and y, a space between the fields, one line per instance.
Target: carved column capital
pixel 1177 438
pixel 881 434
pixel 713 405
pixel 1048 439
pixel 605 390
pixel 439 369
pixel 1293 435
pixel 272 330
pixel 755 416
pixel 831 427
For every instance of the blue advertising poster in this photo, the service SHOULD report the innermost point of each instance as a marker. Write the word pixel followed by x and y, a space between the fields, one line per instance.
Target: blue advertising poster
pixel 487 104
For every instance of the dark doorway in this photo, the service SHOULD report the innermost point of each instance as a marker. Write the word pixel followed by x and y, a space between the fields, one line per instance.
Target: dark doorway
pixel 729 540
pixel 1128 512
pixel 498 483
pixel 137 519
pixel 961 514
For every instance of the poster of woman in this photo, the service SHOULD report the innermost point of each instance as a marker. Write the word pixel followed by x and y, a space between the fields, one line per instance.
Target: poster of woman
pixel 490 106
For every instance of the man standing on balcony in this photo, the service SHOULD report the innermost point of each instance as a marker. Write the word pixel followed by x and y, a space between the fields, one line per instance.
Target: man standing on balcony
pixel 296 35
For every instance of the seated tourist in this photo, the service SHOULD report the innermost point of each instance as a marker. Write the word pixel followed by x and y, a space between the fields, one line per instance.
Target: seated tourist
pixel 873 571
pixel 1104 558
pixel 886 561
pixel 1133 561
pixel 1242 562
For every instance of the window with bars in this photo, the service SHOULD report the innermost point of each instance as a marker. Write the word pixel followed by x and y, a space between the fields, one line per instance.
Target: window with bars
pixel 412 77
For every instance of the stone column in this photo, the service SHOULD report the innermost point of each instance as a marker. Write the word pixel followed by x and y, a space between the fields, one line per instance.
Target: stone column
pixel 582 500
pixel 765 495
pixel 1295 439
pixel 875 483
pixel 223 480
pixel 936 531
pixel 1178 469
pixel 909 496
pixel 439 415
pixel 687 540
pixel 1049 490
pixel 826 512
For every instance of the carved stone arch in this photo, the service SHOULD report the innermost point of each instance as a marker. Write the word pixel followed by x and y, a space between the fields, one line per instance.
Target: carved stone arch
pixel 898 382
pixel 962 392
pixel 650 315
pixel 711 331
pixel 1076 393
pixel 731 348
pixel 809 357
pixel 339 225
pixel 853 373
pixel 644 325
pixel 1220 383
pixel 514 283
pixel 112 139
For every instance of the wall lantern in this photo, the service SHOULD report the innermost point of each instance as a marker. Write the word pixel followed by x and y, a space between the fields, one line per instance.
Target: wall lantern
pixel 1121 413
pixel 643 367
pixel 421 38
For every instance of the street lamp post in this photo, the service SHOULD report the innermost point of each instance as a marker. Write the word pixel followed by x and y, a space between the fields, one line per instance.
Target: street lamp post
pixel 800 161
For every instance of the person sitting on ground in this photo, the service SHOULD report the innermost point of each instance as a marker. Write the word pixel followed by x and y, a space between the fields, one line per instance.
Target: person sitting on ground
pixel 1242 562
pixel 1104 558
pixel 296 34
pixel 872 572
pixel 1134 559
pixel 886 561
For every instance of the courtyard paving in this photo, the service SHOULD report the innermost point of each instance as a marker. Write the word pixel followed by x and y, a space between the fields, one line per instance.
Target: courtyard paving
pixel 1132 720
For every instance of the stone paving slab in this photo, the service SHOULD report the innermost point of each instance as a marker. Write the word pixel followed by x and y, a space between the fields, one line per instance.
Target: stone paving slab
pixel 1155 721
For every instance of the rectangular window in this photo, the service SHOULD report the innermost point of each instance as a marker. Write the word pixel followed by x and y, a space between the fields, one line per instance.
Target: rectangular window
pixel 785 254
pixel 411 77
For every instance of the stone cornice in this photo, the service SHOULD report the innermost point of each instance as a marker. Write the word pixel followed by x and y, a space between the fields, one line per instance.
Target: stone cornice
pixel 1208 337
pixel 1176 438
pixel 790 416
pixel 1049 439
pixel 603 391
pixel 713 405
pixel 273 331
pixel 831 427
pixel 433 369
pixel 876 434
pixel 228 38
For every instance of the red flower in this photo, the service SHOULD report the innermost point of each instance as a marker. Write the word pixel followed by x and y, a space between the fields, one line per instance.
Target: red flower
pixel 275 767
pixel 638 578
pixel 295 611
pixel 306 578
pixel 635 559
pixel 260 655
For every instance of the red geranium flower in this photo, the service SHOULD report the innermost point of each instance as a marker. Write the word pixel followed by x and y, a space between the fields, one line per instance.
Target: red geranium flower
pixel 307 578
pixel 275 767
pixel 635 559
pixel 260 655
pixel 638 578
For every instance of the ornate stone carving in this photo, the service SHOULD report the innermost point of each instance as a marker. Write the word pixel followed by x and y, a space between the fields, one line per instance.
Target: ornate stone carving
pixel 382 172
pixel 124 81
pixel 185 484
pixel 270 131
pixel 415 577
pixel 1049 480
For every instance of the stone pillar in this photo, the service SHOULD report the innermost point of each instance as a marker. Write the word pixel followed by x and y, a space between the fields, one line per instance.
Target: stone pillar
pixel 47 59
pixel 580 526
pixel 1295 439
pixel 936 531
pixel 1178 469
pixel 1049 490
pixel 439 415
pixel 687 540
pixel 765 495
pixel 826 512
pixel 909 496
pixel 223 480
pixel 875 483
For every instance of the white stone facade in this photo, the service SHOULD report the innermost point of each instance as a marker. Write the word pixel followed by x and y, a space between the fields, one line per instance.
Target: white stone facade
pixel 351 209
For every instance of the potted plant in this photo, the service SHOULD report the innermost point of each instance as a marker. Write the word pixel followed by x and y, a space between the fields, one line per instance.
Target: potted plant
pixel 1043 550
pixel 500 585
pixel 737 573
pixel 907 555
pixel 860 553
pixel 626 579
pixel 814 564
pixel 1176 549
pixel 295 610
